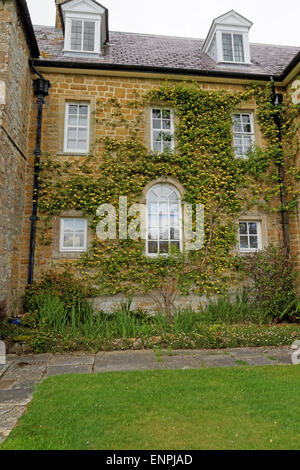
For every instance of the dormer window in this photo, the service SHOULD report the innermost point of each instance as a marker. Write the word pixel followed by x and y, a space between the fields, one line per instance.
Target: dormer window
pixel 85 26
pixel 83 35
pixel 228 39
pixel 233 47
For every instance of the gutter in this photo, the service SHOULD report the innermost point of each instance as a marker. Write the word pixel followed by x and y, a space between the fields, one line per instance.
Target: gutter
pixel 149 69
pixel 276 101
pixel 41 89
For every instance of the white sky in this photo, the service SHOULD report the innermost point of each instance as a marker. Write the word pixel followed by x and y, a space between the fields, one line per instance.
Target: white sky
pixel 275 21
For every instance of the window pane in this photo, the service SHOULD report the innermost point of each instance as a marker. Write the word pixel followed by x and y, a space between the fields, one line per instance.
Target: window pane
pixel 82 144
pixel 243 228
pixel 174 234
pixel 89 36
pixel 173 196
pixel 79 240
pixel 244 242
pixel 175 245
pixel 72 133
pixel 166 146
pixel 156 124
pixel 252 228
pixel 156 136
pixel 152 208
pixel 80 225
pixel 166 114
pixel 157 146
pixel 153 234
pixel 164 233
pixel 76 35
pixel 68 240
pixel 72 120
pixel 73 109
pixel 164 247
pixel 152 247
pixel 163 208
pixel 152 220
pixel 238 140
pixel 83 120
pixel 82 134
pixel 72 144
pixel 83 110
pixel 238 48
pixel 156 114
pixel 246 118
pixel 247 143
pixel 227 47
pixel 68 225
pixel 253 242
pixel 166 137
pixel 166 124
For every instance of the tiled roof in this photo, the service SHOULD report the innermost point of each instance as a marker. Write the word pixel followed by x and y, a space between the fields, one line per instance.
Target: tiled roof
pixel 146 50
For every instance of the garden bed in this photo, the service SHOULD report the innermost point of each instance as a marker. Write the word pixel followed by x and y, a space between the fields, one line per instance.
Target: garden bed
pixel 202 335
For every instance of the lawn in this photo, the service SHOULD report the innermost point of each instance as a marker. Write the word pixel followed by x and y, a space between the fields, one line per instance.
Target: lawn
pixel 228 408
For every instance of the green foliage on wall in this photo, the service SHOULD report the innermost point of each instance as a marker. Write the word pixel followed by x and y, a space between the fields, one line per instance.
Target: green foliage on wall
pixel 203 163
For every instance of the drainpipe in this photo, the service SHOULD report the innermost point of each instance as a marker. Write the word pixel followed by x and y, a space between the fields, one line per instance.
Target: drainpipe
pixel 277 100
pixel 41 89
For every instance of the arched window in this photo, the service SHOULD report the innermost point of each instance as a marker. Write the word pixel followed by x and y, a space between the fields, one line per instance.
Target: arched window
pixel 164 220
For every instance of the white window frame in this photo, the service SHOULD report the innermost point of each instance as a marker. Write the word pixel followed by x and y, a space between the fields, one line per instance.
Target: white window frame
pixel 172 130
pixel 83 20
pixel 73 249
pixel 242 134
pixel 155 255
pixel 259 239
pixel 233 33
pixel 76 150
pixel 68 29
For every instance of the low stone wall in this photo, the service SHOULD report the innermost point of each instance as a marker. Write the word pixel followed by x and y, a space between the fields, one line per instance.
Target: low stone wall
pixel 151 303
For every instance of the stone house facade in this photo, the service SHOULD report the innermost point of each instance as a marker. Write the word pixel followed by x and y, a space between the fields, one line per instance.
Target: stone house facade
pixel 86 64
pixel 17 45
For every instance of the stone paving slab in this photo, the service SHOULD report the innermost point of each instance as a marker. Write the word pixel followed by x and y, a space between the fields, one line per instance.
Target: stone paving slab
pixel 34 358
pixel 126 360
pixel 9 415
pixel 68 369
pixel 72 359
pixel 221 361
pixel 259 361
pixel 19 397
pixel 24 371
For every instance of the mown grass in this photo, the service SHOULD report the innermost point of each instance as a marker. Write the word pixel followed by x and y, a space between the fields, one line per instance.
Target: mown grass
pixel 231 408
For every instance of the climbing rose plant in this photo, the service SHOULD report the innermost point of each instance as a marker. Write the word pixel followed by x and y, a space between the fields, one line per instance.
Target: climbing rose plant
pixel 203 163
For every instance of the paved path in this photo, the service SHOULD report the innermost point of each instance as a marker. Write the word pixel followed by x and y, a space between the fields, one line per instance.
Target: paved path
pixel 21 373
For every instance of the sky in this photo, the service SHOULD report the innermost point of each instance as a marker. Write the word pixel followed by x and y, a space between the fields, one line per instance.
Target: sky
pixel 275 22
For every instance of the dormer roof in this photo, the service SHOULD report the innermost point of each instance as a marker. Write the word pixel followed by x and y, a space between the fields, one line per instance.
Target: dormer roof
pixel 87 6
pixel 231 18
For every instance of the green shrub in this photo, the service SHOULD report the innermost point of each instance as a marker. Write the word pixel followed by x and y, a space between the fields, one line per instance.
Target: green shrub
pixel 72 292
pixel 272 278
pixel 51 311
pixel 228 310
